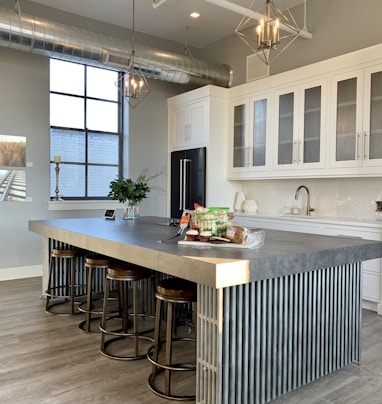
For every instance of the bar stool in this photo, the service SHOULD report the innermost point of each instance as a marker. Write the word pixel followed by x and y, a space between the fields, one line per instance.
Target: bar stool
pixel 62 280
pixel 120 328
pixel 94 263
pixel 171 291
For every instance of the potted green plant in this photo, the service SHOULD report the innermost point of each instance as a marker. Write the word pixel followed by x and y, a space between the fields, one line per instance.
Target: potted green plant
pixel 130 193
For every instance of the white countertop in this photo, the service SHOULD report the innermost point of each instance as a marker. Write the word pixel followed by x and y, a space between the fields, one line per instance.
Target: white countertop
pixel 314 219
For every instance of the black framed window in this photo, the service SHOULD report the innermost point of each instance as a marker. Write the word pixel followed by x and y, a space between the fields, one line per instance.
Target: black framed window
pixel 85 129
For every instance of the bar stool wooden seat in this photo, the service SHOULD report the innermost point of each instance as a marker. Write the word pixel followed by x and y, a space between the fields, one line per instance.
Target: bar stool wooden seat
pixel 62 285
pixel 95 263
pixel 172 291
pixel 125 336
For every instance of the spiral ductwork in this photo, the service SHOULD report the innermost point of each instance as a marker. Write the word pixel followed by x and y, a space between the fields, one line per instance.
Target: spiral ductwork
pixel 31 34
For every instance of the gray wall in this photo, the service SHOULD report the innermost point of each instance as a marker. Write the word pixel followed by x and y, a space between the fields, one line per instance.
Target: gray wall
pixel 338 27
pixel 24 111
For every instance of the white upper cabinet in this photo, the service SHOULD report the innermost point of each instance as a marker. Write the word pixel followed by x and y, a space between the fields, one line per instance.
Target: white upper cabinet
pixel 317 121
pixel 356 127
pixel 188 125
pixel 300 119
pixel 249 139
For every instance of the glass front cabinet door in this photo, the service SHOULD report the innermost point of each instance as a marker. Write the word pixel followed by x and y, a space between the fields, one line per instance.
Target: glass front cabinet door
pixel 249 138
pixel 300 119
pixel 356 129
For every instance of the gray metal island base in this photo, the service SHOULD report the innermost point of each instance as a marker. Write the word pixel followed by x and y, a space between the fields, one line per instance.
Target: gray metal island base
pixel 269 320
pixel 263 339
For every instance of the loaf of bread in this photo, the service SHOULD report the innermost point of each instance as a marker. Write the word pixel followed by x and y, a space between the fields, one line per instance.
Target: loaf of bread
pixel 235 234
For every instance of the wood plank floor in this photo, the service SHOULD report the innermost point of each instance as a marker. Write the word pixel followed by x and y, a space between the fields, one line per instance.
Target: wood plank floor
pixel 46 359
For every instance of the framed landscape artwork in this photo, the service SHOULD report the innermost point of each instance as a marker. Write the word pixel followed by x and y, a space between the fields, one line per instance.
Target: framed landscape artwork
pixel 12 156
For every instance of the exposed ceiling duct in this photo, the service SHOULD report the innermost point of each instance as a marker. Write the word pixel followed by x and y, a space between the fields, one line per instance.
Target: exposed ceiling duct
pixel 32 34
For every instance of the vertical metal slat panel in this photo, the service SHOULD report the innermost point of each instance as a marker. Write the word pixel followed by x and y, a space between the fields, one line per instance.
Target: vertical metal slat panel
pixel 240 310
pixel 210 347
pixel 257 321
pixel 246 339
pixel 275 335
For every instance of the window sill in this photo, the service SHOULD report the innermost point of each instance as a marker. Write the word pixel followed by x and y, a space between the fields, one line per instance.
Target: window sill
pixel 82 205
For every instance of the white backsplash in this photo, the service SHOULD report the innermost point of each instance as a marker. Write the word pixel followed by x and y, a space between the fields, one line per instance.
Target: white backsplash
pixel 335 197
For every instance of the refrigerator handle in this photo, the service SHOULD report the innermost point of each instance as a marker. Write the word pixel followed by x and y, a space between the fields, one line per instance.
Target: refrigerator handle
pixel 184 183
pixel 180 184
pixel 186 171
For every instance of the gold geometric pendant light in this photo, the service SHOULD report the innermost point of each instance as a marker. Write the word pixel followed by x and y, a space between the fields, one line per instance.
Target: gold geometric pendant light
pixel 268 31
pixel 133 84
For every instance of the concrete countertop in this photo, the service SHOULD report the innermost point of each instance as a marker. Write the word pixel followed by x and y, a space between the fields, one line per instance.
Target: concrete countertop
pixel 137 241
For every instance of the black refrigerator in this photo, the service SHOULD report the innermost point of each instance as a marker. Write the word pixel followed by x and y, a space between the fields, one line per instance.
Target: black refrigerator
pixel 188 180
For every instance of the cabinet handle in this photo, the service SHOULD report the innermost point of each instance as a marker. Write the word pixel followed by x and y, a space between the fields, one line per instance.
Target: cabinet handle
pixel 357 146
pixel 248 162
pixel 365 154
pixel 296 152
pixel 188 131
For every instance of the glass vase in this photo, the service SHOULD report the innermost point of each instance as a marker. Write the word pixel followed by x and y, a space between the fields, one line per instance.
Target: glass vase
pixel 131 211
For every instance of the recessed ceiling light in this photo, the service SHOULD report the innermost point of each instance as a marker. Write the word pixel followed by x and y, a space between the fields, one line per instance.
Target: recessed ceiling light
pixel 195 14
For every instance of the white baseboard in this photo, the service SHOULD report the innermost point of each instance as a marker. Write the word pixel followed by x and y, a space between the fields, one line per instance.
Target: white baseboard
pixel 368 305
pixel 7 274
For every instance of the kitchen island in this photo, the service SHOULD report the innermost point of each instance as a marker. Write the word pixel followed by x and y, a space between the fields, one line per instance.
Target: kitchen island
pixel 269 320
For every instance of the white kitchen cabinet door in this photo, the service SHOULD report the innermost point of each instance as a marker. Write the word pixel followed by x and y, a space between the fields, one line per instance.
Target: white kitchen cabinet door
pixel 300 119
pixel 239 145
pixel 188 125
pixel 249 138
pixel 371 269
pixel 372 116
pixel 356 126
pixel 346 125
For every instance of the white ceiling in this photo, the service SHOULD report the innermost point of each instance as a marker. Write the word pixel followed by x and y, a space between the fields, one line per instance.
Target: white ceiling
pixel 169 20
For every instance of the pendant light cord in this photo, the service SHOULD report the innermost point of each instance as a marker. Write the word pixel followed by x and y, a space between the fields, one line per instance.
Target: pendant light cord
pixel 17 7
pixel 133 35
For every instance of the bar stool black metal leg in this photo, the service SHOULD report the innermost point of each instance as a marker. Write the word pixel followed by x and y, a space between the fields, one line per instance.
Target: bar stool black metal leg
pixel 104 315
pixel 172 291
pixel 61 288
pixel 129 340
pixel 72 283
pixel 135 317
pixel 50 280
pixel 156 346
pixel 88 299
pixel 167 372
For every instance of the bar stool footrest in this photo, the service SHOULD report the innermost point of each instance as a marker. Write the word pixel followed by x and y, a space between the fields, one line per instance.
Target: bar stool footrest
pixel 104 351
pixel 160 393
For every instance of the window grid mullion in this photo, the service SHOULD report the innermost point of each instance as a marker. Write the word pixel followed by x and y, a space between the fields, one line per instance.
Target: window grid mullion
pixel 87 132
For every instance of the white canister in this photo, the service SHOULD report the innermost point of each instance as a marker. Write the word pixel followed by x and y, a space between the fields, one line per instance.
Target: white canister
pixel 250 206
pixel 239 199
